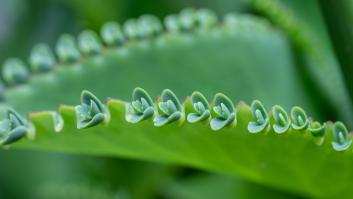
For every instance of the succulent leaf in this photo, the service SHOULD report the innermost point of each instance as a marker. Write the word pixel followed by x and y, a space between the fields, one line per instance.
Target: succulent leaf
pixel 206 19
pixel 15 72
pixel 42 58
pixel 317 129
pixel 66 49
pixel 231 160
pixel 141 107
pixel 130 29
pixel 281 118
pixel 88 43
pixel 14 127
pixel 149 26
pixel 224 109
pixel 261 120
pixel 194 144
pixel 112 34
pixel 299 119
pixel 172 23
pixel 201 108
pixel 231 20
pixel 187 19
pixel 170 108
pixel 91 112
pixel 342 138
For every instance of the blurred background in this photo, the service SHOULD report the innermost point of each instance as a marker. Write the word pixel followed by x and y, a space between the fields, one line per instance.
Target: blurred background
pixel 33 174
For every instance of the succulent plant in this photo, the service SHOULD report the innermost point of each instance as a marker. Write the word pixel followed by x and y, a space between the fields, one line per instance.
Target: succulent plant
pixel 184 55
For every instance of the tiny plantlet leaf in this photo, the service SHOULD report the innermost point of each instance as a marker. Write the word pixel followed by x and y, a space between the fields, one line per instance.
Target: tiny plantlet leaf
pixel 170 108
pixel 130 29
pixel 299 119
pixel 112 34
pixel 14 127
pixel 172 23
pixel 66 49
pixel 201 108
pixel 15 72
pixel 342 138
pixel 281 118
pixel 88 43
pixel 187 19
pixel 206 19
pixel 224 109
pixel 149 26
pixel 261 120
pixel 317 129
pixel 141 107
pixel 231 20
pixel 91 112
pixel 42 58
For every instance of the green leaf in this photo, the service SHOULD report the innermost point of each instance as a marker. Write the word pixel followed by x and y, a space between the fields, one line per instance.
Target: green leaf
pixel 201 108
pixel 270 158
pixel 342 141
pixel 14 127
pixel 170 109
pixel 176 61
pixel 261 120
pixel 130 29
pixel 15 71
pixel 299 118
pixel 111 34
pixel 141 108
pixel 91 112
pixel 226 114
pixel 209 186
pixel 317 129
pixel 184 58
pixel 66 49
pixel 206 18
pixel 282 121
pixel 42 58
pixel 337 15
pixel 149 26
pixel 88 43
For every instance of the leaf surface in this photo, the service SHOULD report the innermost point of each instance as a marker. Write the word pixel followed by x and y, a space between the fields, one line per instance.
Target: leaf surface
pixel 290 161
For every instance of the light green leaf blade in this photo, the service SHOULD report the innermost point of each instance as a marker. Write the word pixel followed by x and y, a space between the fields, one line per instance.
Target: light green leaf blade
pixel 291 161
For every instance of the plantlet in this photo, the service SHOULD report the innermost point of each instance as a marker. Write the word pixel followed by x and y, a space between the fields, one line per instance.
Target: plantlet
pixel 91 112
pixel 261 120
pixel 14 127
pixel 282 122
pixel 170 109
pixel 342 141
pixel 224 109
pixel 141 107
pixel 201 108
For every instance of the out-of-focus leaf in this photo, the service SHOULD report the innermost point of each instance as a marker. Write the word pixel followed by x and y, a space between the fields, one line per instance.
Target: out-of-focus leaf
pixel 245 59
pixel 303 22
pixel 339 16
pixel 210 186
